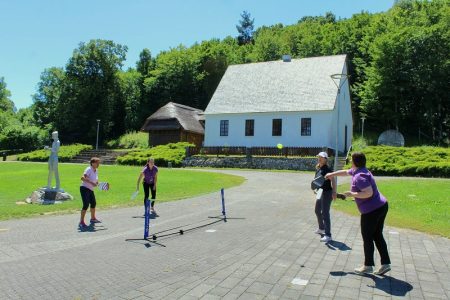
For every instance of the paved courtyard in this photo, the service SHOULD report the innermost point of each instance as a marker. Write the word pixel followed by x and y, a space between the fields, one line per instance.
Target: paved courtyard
pixel 269 251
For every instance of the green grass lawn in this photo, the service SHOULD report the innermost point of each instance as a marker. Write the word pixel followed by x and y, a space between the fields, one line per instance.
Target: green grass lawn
pixel 420 204
pixel 19 180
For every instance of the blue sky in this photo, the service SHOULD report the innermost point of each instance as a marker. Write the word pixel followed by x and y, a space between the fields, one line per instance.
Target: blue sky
pixel 39 34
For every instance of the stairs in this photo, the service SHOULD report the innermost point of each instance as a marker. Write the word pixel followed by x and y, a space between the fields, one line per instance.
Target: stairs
pixel 107 157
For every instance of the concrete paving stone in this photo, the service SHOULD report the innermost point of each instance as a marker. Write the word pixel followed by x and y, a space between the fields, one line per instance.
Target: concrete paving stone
pixel 211 297
pixel 309 297
pixel 290 293
pixel 230 282
pixel 250 296
pixel 200 290
pixel 346 292
pixel 219 291
pixel 259 288
pixel 313 289
pixel 277 290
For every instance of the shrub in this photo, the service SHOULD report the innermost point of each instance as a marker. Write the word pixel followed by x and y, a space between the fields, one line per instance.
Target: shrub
pixel 163 154
pixel 408 161
pixel 22 137
pixel 130 140
pixel 65 153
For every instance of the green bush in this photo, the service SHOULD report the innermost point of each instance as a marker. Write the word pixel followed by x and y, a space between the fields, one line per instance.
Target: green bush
pixel 65 153
pixel 130 141
pixel 163 154
pixel 22 137
pixel 408 161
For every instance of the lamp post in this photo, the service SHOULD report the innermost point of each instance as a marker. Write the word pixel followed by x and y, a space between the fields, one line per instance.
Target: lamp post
pixel 362 127
pixel 98 127
pixel 338 80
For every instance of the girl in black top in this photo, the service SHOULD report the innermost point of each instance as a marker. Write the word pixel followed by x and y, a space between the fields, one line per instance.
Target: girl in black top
pixel 325 194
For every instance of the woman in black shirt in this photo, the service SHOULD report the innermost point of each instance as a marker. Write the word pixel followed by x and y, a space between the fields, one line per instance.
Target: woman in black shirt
pixel 325 194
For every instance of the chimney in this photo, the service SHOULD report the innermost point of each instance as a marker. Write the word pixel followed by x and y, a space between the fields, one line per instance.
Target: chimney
pixel 286 58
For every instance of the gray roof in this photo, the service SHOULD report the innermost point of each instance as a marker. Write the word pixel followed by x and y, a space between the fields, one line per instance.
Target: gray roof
pixel 187 117
pixel 299 85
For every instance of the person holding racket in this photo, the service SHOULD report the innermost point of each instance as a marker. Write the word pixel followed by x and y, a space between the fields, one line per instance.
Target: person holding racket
pixel 89 181
pixel 326 192
pixel 373 207
pixel 150 174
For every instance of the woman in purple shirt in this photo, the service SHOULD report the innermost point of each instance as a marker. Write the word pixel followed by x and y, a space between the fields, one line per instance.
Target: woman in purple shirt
pixel 150 174
pixel 373 207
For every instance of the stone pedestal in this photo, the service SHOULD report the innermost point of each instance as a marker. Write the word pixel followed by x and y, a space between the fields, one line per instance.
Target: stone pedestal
pixel 48 196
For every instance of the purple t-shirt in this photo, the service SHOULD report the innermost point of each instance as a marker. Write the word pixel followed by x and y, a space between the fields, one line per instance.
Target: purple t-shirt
pixel 149 174
pixel 361 179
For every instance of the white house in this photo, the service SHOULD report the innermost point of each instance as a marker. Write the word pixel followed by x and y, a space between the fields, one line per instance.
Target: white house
pixel 294 102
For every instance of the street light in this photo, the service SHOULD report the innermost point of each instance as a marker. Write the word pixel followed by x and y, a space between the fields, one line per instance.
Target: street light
pixel 362 127
pixel 338 80
pixel 98 127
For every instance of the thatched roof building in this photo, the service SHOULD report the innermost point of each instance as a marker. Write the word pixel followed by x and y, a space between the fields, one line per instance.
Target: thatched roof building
pixel 175 123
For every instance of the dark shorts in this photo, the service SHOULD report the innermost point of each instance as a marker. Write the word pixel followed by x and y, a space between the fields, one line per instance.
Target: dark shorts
pixel 88 197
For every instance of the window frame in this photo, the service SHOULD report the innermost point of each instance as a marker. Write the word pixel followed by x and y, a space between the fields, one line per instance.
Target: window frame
pixel 224 127
pixel 276 129
pixel 250 127
pixel 305 126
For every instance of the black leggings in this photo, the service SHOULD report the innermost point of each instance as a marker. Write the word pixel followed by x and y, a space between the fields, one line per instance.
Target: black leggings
pixel 147 188
pixel 88 198
pixel 372 231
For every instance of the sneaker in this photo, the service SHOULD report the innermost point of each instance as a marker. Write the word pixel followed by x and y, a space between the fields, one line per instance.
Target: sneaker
pixel 383 269
pixel 326 239
pixel 152 211
pixel 320 231
pixel 364 270
pixel 82 225
pixel 94 221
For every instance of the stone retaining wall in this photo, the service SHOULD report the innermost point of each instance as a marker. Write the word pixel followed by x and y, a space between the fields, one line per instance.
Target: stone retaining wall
pixel 274 163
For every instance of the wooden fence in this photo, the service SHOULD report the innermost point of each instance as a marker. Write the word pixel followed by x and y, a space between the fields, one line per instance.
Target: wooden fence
pixel 258 151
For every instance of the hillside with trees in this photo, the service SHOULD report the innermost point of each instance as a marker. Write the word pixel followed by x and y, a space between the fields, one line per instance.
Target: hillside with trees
pixel 398 65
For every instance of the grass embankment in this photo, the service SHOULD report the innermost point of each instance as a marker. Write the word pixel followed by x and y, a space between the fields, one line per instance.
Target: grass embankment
pixel 19 180
pixel 420 204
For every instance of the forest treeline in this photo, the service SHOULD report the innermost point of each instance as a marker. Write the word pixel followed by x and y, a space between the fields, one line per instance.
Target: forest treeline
pixel 398 66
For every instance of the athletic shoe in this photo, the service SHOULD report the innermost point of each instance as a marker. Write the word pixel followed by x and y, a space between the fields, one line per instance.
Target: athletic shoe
pixel 94 221
pixel 326 239
pixel 82 225
pixel 152 211
pixel 320 231
pixel 383 269
pixel 364 270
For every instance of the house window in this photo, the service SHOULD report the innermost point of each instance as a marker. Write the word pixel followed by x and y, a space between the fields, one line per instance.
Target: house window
pixel 306 127
pixel 223 127
pixel 276 127
pixel 249 127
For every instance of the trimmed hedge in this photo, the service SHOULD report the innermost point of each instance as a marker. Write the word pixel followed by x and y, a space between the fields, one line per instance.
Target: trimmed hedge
pixel 65 153
pixel 163 154
pixel 408 161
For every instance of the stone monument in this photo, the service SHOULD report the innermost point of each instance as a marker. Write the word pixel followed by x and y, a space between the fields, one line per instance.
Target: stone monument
pixel 49 195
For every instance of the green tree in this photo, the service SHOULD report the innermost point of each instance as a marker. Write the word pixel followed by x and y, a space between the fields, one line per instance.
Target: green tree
pixel 91 92
pixel 50 88
pixel 245 28
pixel 6 104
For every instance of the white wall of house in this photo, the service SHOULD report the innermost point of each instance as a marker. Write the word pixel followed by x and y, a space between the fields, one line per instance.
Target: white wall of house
pixel 322 128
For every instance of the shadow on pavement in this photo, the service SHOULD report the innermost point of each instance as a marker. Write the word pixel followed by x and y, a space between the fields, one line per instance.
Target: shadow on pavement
pixel 92 228
pixel 388 284
pixel 333 245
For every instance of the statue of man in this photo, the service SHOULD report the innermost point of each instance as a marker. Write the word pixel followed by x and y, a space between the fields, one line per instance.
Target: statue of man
pixel 53 161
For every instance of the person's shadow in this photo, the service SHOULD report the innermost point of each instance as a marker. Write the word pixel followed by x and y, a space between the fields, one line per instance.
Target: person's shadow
pixel 388 284
pixel 92 228
pixel 333 245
